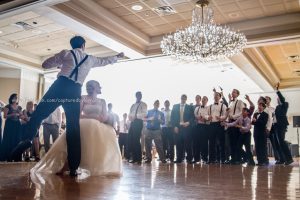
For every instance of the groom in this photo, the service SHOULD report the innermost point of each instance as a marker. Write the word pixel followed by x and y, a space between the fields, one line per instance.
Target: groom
pixel 74 66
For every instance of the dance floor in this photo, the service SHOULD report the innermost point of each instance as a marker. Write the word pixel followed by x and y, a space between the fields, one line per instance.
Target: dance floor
pixel 157 181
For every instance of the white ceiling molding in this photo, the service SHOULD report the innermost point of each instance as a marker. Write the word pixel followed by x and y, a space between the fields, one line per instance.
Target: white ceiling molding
pixel 87 31
pixel 18 65
pixel 26 7
pixel 248 68
pixel 14 52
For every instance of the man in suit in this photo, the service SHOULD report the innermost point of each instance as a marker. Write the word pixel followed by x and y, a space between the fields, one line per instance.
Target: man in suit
pixel 260 120
pixel 181 119
pixel 280 129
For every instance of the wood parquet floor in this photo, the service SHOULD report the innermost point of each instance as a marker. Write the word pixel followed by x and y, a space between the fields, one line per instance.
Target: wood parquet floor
pixel 157 181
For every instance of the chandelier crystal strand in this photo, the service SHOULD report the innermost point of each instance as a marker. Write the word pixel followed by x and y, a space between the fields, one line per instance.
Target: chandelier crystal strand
pixel 203 40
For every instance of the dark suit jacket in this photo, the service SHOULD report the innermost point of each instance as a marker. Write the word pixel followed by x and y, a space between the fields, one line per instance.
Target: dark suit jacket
pixel 261 122
pixel 281 110
pixel 187 115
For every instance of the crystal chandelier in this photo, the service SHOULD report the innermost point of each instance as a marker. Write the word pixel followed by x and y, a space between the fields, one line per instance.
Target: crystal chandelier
pixel 203 40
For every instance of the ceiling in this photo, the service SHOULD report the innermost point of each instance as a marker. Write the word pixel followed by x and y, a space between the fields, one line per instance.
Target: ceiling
pixel 272 28
pixel 43 37
pixel 225 11
pixel 282 59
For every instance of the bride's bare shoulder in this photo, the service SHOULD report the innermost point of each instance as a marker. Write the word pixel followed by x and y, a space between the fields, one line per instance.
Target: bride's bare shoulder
pixel 101 101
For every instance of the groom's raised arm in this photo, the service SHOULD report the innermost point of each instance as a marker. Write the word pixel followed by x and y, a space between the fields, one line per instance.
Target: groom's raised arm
pixel 99 61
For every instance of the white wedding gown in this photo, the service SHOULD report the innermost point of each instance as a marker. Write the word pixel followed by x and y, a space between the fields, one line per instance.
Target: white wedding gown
pixel 100 153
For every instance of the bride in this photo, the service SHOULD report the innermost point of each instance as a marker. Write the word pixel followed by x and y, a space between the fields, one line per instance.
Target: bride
pixel 100 153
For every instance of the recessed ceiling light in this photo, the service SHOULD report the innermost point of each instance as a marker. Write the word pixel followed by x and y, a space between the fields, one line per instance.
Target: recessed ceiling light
pixel 233 15
pixel 1 32
pixel 36 31
pixel 137 7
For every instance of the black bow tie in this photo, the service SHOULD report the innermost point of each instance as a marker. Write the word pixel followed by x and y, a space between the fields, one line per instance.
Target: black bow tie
pixel 202 106
pixel 216 103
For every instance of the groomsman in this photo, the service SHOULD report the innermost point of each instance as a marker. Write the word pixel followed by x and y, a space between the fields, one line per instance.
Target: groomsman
pixel 271 128
pixel 154 120
pixel 281 128
pixel 194 127
pixel 201 141
pixel 181 119
pixel 235 111
pixel 244 125
pixel 167 133
pixel 260 120
pixel 138 112
pixel 216 138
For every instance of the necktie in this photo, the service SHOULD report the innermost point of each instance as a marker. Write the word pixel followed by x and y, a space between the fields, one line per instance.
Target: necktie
pixel 181 113
pixel 136 111
pixel 167 118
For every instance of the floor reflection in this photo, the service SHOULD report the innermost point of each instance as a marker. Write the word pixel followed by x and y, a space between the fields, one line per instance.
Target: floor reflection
pixel 157 181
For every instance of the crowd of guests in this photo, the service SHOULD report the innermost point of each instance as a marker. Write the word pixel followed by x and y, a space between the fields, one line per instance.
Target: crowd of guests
pixel 16 120
pixel 215 133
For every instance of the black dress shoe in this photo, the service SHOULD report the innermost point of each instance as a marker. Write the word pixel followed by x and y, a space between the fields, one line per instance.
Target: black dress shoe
pixel 278 162
pixel 19 149
pixel 289 162
pixel 235 163
pixel 262 164
pixel 178 161
pixel 226 162
pixel 148 161
pixel 73 173
pixel 251 163
pixel 135 161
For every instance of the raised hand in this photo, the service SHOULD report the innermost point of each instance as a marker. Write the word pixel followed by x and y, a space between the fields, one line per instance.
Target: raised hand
pixel 229 97
pixel 247 97
pixel 277 86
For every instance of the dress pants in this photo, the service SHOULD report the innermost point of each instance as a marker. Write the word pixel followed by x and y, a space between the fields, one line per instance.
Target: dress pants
pixel 216 140
pixel 233 133
pixel 156 136
pixel 220 142
pixel 272 137
pixel 66 93
pixel 184 144
pixel 245 140
pixel 197 142
pixel 168 142
pixel 50 129
pixel 260 139
pixel 134 140
pixel 123 142
pixel 281 145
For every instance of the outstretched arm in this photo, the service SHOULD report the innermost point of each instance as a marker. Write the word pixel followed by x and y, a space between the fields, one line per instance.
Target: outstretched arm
pixel 99 62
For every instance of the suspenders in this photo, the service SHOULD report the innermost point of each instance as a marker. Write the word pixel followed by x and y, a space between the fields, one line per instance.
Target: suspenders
pixel 77 66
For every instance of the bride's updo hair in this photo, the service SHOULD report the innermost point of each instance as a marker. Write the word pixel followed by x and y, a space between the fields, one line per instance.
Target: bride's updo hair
pixel 95 85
